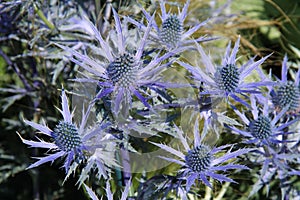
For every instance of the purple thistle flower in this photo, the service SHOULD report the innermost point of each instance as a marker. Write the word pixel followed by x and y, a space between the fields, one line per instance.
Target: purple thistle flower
pixel 70 141
pixel 226 80
pixel 171 34
pixel 263 127
pixel 122 72
pixel 200 161
pixel 67 139
pixel 287 94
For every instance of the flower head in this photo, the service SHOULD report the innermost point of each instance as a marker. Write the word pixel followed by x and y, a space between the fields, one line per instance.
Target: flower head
pixel 122 71
pixel 263 127
pixel 172 33
pixel 287 94
pixel 200 161
pixel 70 141
pixel 226 80
pixel 199 158
pixel 66 136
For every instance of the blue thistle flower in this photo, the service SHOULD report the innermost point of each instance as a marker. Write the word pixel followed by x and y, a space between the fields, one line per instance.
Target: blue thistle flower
pixel 171 31
pixel 66 135
pixel 122 73
pixel 263 127
pixel 200 161
pixel 287 94
pixel 227 80
pixel 199 158
pixel 171 34
pixel 70 141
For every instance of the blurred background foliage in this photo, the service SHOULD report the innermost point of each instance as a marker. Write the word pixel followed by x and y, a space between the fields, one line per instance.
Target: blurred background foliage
pixel 32 71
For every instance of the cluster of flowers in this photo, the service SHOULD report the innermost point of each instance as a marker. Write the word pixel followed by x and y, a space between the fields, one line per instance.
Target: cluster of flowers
pixel 128 74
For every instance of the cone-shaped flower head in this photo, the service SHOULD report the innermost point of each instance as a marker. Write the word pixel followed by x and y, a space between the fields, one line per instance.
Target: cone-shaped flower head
pixel 123 71
pixel 74 143
pixel 199 161
pixel 171 31
pixel 67 139
pixel 66 136
pixel 226 80
pixel 261 127
pixel 171 34
pixel 287 94
pixel 264 126
pixel 199 158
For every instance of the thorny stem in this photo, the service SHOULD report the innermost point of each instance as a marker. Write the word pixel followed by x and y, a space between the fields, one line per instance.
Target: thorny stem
pixel 43 17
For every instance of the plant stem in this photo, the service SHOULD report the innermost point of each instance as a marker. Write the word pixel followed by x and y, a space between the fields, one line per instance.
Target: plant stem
pixel 126 165
pixel 43 17
pixel 17 71
pixel 208 191
pixel 223 191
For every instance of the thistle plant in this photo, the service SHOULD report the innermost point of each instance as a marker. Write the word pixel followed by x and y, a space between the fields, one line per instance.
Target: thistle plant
pixel 172 33
pixel 123 72
pixel 70 141
pixel 162 114
pixel 264 126
pixel 226 80
pixel 269 133
pixel 287 93
pixel 199 161
pixel 67 140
